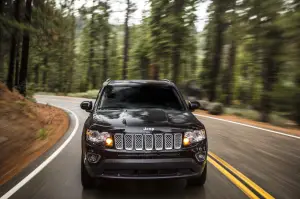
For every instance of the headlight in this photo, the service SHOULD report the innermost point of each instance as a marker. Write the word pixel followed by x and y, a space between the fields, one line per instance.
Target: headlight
pixel 99 137
pixel 191 137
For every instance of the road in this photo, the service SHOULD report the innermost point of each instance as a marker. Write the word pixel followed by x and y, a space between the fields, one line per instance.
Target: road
pixel 244 162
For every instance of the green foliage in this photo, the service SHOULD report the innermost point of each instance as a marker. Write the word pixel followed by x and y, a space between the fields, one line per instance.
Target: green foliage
pixel 243 112
pixel 91 94
pixel 247 56
pixel 215 108
pixel 203 104
pixel 42 134
pixel 296 112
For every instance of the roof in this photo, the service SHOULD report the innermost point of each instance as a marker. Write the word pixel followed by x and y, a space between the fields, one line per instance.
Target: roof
pixel 138 82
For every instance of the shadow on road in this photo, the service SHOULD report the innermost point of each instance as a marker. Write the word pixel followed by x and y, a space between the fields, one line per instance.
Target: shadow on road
pixel 144 189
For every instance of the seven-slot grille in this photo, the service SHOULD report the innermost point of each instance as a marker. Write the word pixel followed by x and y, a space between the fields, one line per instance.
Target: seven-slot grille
pixel 148 141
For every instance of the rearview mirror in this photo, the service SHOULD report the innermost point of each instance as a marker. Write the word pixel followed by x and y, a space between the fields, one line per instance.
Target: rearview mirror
pixel 87 106
pixel 194 105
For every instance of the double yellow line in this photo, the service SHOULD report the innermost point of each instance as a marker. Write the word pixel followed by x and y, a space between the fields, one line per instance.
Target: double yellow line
pixel 237 178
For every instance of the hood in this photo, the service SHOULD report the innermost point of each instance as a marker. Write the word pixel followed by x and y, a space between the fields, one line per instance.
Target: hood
pixel 141 119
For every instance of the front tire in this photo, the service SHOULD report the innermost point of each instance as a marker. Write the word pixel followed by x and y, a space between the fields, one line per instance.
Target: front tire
pixel 87 181
pixel 198 180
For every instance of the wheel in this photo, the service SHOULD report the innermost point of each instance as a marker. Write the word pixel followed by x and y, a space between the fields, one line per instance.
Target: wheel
pixel 86 180
pixel 198 180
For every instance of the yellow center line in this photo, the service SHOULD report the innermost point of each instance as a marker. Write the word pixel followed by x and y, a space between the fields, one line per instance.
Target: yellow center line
pixel 243 177
pixel 235 181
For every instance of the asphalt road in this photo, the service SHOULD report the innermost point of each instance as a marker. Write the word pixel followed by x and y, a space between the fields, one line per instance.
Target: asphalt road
pixel 270 161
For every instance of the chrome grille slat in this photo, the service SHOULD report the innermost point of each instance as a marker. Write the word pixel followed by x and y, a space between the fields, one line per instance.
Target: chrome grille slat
pixel 158 141
pixel 119 141
pixel 138 142
pixel 148 141
pixel 177 140
pixel 168 141
pixel 128 139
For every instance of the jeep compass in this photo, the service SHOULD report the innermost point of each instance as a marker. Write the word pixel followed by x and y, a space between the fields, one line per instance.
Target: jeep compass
pixel 142 129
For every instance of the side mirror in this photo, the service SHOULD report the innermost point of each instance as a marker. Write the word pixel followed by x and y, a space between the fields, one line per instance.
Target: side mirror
pixel 87 106
pixel 194 105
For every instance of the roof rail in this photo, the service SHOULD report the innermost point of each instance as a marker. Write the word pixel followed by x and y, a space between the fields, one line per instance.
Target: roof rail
pixel 106 82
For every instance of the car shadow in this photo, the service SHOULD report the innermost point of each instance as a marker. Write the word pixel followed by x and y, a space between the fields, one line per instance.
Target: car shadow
pixel 112 189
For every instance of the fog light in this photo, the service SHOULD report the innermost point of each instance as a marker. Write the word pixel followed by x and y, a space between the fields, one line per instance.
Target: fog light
pixel 92 157
pixel 109 142
pixel 200 157
pixel 186 141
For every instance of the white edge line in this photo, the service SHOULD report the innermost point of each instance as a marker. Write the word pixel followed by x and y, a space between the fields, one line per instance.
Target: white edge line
pixel 247 125
pixel 45 163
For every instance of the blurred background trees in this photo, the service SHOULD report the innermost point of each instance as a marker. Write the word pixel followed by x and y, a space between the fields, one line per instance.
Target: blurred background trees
pixel 246 56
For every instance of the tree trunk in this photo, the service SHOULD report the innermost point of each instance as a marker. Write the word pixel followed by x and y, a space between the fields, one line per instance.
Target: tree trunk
pixel 1 44
pixel 105 41
pixel 144 64
pixel 36 74
pixel 267 88
pixel 12 56
pixel 45 71
pixel 10 74
pixel 105 55
pixel 25 50
pixel 90 71
pixel 230 70
pixel 126 42
pixel 175 61
pixel 177 39
pixel 270 69
pixel 217 54
pixel 166 68
pixel 72 44
pixel 17 72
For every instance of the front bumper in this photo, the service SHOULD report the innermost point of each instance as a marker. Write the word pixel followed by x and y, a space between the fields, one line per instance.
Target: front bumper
pixel 146 165
pixel 145 168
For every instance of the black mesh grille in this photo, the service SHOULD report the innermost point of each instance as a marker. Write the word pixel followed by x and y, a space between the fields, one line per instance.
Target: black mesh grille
pixel 119 141
pixel 177 140
pixel 128 139
pixel 148 141
pixel 168 141
pixel 158 141
pixel 138 142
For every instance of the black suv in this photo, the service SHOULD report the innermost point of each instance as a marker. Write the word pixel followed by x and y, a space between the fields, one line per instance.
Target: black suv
pixel 142 129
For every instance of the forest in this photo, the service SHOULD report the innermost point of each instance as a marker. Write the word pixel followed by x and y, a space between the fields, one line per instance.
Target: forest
pixel 248 54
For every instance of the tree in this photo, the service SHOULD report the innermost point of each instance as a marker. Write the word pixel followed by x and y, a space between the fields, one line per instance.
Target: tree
pixel 220 8
pixel 229 71
pixel 271 47
pixel 1 41
pixel 129 10
pixel 106 30
pixel 10 74
pixel 25 50
pixel 91 76
pixel 177 39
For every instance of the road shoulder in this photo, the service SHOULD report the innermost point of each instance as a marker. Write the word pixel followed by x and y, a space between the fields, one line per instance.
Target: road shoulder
pixel 233 118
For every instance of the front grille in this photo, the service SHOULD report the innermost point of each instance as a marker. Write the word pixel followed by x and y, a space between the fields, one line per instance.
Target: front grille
pixel 148 142
pixel 128 140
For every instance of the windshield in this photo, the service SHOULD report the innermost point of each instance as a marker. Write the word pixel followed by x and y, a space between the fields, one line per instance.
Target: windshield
pixel 144 96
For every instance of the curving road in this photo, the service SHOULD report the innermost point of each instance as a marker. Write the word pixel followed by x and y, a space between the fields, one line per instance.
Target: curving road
pixel 244 162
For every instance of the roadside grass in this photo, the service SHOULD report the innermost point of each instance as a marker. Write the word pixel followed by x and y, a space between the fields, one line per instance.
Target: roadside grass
pixel 275 118
pixel 42 134
pixel 45 93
